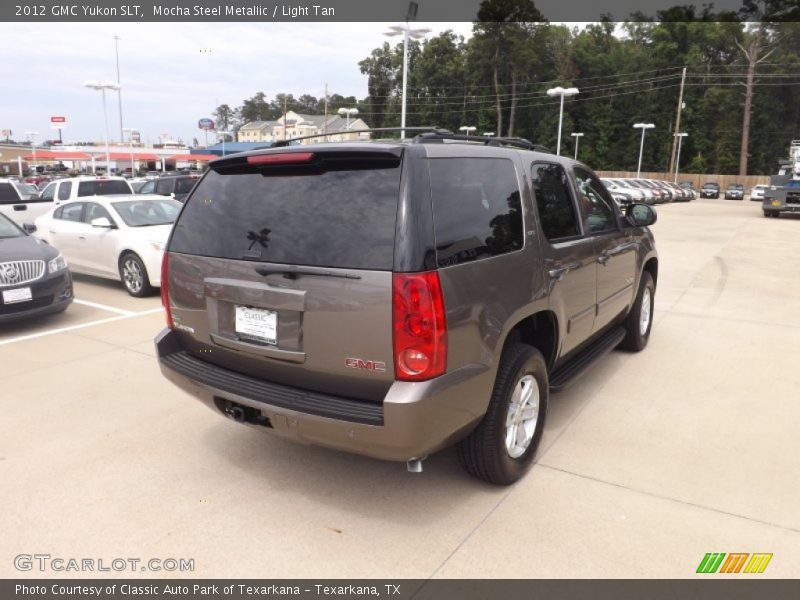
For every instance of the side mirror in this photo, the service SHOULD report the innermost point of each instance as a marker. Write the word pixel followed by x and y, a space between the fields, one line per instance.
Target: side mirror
pixel 29 228
pixel 641 215
pixel 102 222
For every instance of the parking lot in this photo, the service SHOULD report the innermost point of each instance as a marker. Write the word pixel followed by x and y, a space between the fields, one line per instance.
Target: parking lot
pixel 648 462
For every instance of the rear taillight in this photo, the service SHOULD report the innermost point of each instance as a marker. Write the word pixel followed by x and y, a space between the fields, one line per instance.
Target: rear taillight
pixel 420 330
pixel 165 288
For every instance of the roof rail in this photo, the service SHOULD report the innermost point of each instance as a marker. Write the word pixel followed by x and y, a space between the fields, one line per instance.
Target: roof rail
pixel 439 136
pixel 284 143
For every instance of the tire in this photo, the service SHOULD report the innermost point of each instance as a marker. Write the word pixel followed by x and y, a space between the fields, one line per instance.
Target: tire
pixel 770 213
pixel 637 332
pixel 133 274
pixel 492 452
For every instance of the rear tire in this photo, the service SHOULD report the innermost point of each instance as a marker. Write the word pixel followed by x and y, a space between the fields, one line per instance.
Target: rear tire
pixel 639 321
pixel 770 213
pixel 502 447
pixel 133 274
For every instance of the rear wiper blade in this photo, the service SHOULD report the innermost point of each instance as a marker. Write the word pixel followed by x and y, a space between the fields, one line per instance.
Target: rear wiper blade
pixel 293 272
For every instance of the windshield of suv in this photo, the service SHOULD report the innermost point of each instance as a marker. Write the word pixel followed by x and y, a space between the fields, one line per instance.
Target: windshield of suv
pixel 341 218
pixel 143 213
pixel 103 187
pixel 8 229
pixel 736 186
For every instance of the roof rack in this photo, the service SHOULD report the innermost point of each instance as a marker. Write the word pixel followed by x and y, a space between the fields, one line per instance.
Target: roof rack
pixel 284 143
pixel 440 135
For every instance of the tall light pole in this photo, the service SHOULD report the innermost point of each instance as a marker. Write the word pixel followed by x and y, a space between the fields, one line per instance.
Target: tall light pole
pixel 32 135
pixel 644 127
pixel 119 91
pixel 467 129
pixel 106 85
pixel 130 132
pixel 347 112
pixel 577 137
pixel 223 133
pixel 406 32
pixel 680 137
pixel 560 91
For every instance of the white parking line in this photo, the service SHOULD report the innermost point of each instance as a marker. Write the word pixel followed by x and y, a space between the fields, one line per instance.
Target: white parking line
pixel 33 336
pixel 119 311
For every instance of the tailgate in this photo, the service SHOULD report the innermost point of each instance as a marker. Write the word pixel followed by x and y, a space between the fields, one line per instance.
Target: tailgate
pixel 284 272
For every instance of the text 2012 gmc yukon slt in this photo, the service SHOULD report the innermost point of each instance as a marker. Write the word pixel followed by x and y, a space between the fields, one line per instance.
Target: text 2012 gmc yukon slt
pixel 395 298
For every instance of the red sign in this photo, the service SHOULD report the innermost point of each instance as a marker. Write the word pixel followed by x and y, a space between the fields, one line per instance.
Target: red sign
pixel 58 119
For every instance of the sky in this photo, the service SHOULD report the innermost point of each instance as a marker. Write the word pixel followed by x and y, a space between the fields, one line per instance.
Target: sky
pixel 173 74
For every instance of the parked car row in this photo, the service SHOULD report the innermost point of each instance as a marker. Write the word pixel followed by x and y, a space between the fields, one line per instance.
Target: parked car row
pixel 120 236
pixel 649 191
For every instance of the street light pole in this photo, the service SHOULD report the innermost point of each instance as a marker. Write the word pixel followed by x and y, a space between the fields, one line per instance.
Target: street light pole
pixel 680 137
pixel 224 133
pixel 577 137
pixel 644 127
pixel 347 112
pixel 106 85
pixel 119 90
pixel 32 135
pixel 416 34
pixel 560 91
pixel 130 145
pixel 467 129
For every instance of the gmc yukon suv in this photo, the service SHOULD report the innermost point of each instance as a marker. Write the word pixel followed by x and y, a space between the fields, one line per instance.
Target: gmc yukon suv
pixel 395 298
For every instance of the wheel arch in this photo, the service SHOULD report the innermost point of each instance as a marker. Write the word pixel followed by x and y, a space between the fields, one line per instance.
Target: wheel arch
pixel 539 330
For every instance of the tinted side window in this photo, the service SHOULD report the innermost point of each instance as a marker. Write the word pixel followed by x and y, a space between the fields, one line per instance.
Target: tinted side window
pixel 64 189
pixel 8 195
pixel 164 187
pixel 476 208
pixel 554 201
pixel 148 188
pixel 597 213
pixel 71 212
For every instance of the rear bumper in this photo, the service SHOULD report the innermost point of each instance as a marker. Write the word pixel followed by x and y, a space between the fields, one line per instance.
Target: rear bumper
pixel 414 420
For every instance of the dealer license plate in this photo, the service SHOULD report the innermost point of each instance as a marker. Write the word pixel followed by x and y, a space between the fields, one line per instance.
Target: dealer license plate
pixel 257 324
pixel 17 295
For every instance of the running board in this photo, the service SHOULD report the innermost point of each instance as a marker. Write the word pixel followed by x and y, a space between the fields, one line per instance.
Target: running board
pixel 567 373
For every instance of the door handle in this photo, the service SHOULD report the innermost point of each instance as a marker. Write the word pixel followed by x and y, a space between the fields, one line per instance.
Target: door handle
pixel 80 237
pixel 558 273
pixel 20 207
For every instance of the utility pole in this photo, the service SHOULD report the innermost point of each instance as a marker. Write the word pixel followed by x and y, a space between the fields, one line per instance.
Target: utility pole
pixel 677 121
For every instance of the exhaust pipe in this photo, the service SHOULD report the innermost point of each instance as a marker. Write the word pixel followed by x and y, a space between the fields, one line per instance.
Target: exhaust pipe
pixel 414 465
pixel 235 412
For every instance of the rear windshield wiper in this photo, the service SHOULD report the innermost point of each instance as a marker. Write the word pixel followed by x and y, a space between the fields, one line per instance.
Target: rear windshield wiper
pixel 293 272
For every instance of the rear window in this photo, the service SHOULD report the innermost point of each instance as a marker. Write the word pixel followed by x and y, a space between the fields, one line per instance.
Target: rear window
pixel 476 208
pixel 339 218
pixel 184 186
pixel 103 187
pixel 8 194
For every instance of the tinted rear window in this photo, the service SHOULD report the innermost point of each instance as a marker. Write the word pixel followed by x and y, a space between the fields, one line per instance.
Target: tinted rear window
pixel 338 218
pixel 103 187
pixel 184 186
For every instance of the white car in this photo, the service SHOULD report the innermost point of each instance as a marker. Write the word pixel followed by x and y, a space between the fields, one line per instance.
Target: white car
pixel 757 193
pixel 118 237
pixel 19 207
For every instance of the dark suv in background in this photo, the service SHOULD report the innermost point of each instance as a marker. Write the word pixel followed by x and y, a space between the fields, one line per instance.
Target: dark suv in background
pixel 395 298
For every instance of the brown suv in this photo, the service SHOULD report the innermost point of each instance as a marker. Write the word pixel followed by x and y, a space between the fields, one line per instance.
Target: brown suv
pixel 395 298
